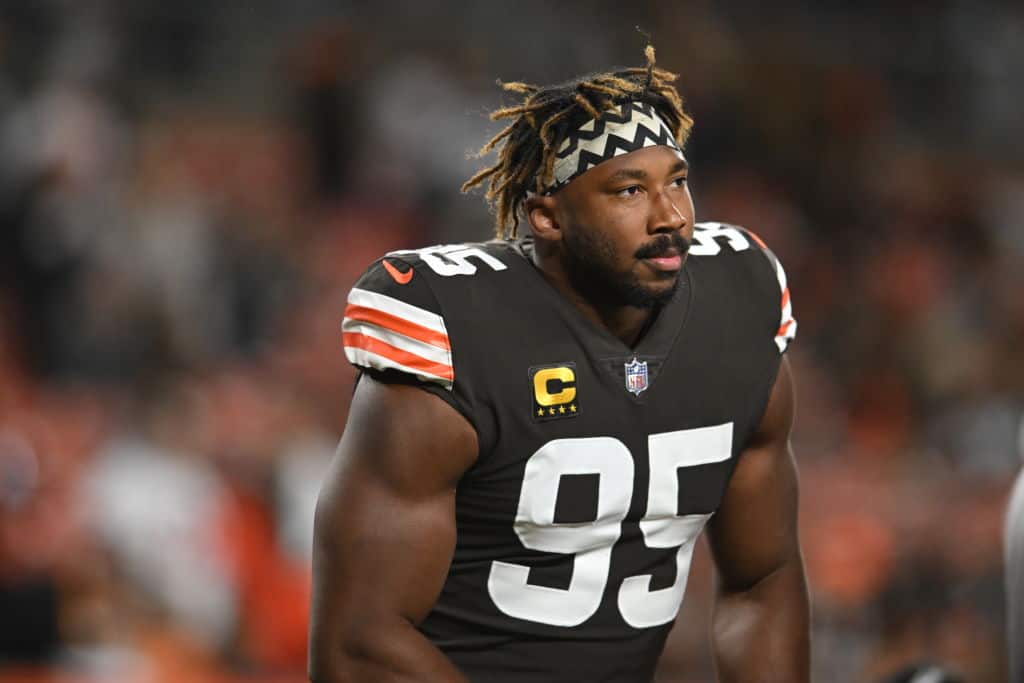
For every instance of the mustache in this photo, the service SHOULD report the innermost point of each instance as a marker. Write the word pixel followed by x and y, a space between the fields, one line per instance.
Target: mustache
pixel 673 244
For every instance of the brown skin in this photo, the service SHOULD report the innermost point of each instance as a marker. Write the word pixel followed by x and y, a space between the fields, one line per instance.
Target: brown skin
pixel 384 537
pixel 385 521
pixel 761 627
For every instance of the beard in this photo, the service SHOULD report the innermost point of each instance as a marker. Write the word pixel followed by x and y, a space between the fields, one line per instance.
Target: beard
pixel 590 266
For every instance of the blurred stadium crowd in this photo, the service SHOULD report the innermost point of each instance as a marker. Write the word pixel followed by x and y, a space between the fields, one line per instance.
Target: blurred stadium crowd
pixel 187 190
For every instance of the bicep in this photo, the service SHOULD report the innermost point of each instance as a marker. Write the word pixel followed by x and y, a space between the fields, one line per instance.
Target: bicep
pixel 385 521
pixel 754 532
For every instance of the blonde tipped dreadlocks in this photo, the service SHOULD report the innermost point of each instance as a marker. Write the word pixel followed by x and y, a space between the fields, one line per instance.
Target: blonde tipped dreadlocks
pixel 542 119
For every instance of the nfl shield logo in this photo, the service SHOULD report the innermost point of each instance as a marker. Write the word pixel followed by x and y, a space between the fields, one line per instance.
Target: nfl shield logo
pixel 636 376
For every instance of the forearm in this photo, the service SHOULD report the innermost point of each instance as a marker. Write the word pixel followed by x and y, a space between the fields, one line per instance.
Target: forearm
pixel 762 634
pixel 393 653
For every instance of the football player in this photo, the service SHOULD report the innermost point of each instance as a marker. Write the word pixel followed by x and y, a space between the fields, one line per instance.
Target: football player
pixel 545 423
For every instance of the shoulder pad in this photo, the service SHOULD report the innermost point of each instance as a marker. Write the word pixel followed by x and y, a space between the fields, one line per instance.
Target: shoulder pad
pixel 712 239
pixel 393 323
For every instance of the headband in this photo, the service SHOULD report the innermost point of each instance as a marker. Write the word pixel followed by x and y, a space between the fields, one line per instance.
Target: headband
pixel 620 130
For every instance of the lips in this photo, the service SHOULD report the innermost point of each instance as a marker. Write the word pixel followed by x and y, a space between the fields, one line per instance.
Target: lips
pixel 667 259
pixel 668 263
pixel 666 253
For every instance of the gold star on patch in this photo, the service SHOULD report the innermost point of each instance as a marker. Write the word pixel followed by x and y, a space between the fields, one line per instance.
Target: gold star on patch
pixel 572 408
pixel 551 411
pixel 561 409
pixel 540 412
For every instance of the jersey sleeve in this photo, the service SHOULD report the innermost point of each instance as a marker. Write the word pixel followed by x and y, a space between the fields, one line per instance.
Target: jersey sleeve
pixel 786 331
pixel 394 330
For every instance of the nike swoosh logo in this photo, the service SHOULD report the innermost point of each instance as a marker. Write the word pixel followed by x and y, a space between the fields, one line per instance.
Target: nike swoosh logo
pixel 397 275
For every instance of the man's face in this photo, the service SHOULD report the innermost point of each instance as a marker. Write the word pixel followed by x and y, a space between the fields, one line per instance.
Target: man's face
pixel 626 228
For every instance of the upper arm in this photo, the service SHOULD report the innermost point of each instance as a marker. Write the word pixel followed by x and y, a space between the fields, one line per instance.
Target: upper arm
pixel 754 532
pixel 385 520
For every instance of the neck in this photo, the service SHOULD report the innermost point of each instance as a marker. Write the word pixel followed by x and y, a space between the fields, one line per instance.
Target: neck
pixel 625 322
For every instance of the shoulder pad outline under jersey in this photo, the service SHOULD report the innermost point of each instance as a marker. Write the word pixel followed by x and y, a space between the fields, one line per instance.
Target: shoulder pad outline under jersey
pixel 713 238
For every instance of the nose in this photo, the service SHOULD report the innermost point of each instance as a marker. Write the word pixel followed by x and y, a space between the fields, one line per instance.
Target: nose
pixel 665 215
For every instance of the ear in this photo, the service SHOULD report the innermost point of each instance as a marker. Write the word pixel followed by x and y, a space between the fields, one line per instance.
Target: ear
pixel 540 211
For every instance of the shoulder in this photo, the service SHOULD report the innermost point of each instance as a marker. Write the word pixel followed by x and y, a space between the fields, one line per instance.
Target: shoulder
pixel 399 315
pixel 711 238
pixel 746 262
pixel 394 323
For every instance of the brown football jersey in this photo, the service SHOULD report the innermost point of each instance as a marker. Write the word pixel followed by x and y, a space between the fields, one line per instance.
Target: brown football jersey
pixel 599 463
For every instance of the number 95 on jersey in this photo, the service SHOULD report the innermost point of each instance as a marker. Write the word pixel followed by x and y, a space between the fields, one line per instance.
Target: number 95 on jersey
pixel 591 543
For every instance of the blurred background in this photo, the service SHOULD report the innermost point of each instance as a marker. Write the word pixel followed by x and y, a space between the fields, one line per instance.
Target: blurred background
pixel 188 190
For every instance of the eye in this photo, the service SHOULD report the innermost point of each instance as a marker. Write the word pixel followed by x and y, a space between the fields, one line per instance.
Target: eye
pixel 631 191
pixel 679 182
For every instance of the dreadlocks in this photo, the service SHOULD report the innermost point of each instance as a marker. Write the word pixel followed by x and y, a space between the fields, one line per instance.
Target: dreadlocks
pixel 544 117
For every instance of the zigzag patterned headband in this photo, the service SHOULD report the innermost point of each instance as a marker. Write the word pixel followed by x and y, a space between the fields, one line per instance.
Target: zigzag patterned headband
pixel 620 130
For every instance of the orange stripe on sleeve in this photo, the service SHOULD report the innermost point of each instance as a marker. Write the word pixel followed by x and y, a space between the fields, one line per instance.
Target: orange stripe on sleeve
pixel 783 327
pixel 757 239
pixel 785 297
pixel 396 355
pixel 399 325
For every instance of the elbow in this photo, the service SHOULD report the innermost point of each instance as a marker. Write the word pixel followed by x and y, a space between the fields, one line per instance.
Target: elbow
pixel 349 655
pixel 336 663
pixel 786 571
pixel 339 669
